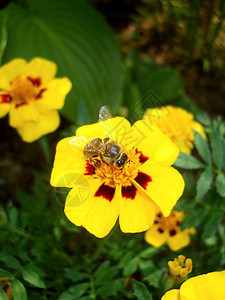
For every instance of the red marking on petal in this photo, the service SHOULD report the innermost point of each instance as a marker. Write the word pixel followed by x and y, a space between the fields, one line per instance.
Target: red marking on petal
pixel 156 222
pixel 5 98
pixel 89 169
pixel 106 192
pixel 35 81
pixel 172 232
pixel 6 287
pixel 20 104
pixel 129 192
pixel 142 157
pixel 160 230
pixel 178 223
pixel 39 95
pixel 143 179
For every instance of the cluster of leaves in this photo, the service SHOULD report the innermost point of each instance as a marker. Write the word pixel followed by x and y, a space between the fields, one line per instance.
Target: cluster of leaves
pixel 42 253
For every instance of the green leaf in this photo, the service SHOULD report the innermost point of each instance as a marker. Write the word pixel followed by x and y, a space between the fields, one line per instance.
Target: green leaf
pixel 18 290
pixel 76 37
pixel 3 34
pixel 202 147
pixel 111 288
pixel 195 218
pixel 204 183
pixel 74 275
pixel 104 273
pixel 33 278
pixel 212 225
pixel 203 118
pixel 130 267
pixel 74 292
pixel 154 278
pixel 218 150
pixel 10 261
pixel 141 291
pixel 4 273
pixel 220 184
pixel 186 161
pixel 3 294
pixel 149 252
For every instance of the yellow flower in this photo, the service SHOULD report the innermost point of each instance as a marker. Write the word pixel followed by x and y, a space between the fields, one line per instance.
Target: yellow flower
pixel 103 192
pixel 7 287
pixel 180 268
pixel 167 230
pixel 31 96
pixel 177 124
pixel 203 287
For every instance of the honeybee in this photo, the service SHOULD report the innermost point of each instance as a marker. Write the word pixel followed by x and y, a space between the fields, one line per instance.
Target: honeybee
pixel 105 150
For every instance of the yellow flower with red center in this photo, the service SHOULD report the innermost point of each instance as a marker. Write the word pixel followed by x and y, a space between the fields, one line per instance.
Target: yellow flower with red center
pixel 203 287
pixel 167 230
pixel 101 193
pixel 180 267
pixel 7 287
pixel 177 124
pixel 31 95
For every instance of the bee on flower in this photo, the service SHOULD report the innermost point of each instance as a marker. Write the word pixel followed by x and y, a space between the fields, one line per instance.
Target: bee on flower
pixel 167 230
pixel 117 170
pixel 31 95
pixel 177 124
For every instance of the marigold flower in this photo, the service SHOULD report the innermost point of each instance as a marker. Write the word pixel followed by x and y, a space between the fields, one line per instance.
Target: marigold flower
pixel 177 124
pixel 180 268
pixel 203 287
pixel 103 192
pixel 31 96
pixel 7 287
pixel 167 230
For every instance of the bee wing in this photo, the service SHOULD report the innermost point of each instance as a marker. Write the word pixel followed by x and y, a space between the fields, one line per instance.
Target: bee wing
pixel 79 142
pixel 105 117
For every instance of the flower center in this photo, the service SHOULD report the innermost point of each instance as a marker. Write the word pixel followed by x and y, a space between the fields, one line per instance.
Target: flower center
pixel 23 90
pixel 170 223
pixel 112 175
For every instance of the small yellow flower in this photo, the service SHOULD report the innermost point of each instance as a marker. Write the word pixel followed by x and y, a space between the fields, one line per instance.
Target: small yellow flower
pixel 177 124
pixel 101 193
pixel 180 267
pixel 203 287
pixel 167 230
pixel 31 96
pixel 7 287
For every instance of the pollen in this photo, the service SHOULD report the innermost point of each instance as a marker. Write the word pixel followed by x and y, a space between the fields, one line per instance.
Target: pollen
pixel 114 176
pixel 23 90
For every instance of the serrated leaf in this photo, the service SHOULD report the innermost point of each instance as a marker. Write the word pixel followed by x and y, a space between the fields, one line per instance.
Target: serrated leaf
pixel 74 292
pixel 212 225
pixel 202 147
pixel 18 290
pixel 188 162
pixel 76 37
pixel 204 183
pixel 33 278
pixel 154 278
pixel 220 184
pixel 141 291
pixel 111 288
pixel 203 118
pixel 74 275
pixel 218 151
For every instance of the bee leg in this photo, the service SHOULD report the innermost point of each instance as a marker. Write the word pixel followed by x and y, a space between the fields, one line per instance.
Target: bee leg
pixel 94 162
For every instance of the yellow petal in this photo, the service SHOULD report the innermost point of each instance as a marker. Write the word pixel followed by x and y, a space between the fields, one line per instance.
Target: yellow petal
pixel 54 96
pixel 206 286
pixel 179 240
pixel 116 128
pixel 40 68
pixel 18 116
pixel 31 131
pixel 199 128
pixel 10 71
pixel 172 295
pixel 153 143
pixel 97 214
pixel 136 215
pixel 156 238
pixel 68 165
pixel 166 187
